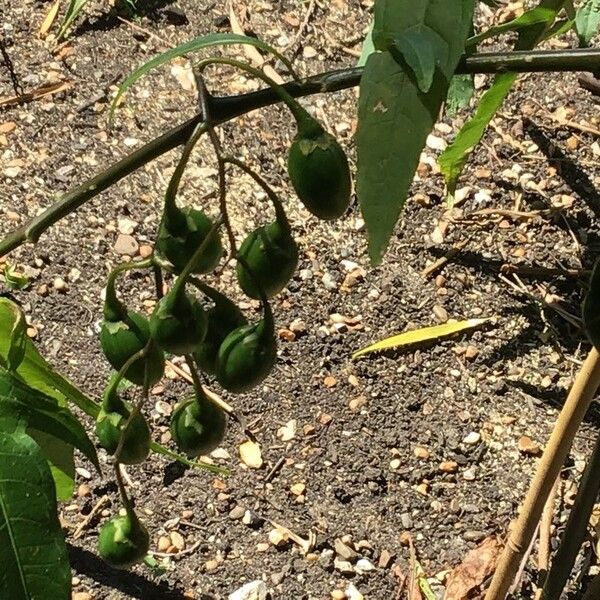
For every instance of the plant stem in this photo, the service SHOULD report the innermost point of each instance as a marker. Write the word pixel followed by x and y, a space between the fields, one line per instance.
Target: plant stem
pixel 279 210
pixel 575 529
pixel 579 398
pixel 229 107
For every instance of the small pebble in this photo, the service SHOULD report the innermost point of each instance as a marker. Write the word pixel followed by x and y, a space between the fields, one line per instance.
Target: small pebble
pixel 163 543
pixel 448 466
pixel 527 446
pixel 441 314
pixel 338 595
pixel 236 513
pixel 60 285
pixel 344 550
pixel 472 438
pixel 255 590
pixel 343 566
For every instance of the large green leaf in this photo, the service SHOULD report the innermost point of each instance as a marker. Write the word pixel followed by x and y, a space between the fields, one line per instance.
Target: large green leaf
pixel 34 369
pixel 33 556
pixel 395 114
pixel 21 405
pixel 60 457
pixel 454 158
pixel 587 21
pixel 200 43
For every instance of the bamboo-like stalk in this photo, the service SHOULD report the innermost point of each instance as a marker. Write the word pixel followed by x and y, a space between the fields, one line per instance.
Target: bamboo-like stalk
pixel 225 108
pixel 568 422
pixel 575 529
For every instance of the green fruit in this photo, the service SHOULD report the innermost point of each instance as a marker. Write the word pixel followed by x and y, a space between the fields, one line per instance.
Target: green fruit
pixel 120 340
pixel 271 255
pixel 221 319
pixel 198 426
pixel 319 172
pixel 123 541
pixel 137 437
pixel 591 307
pixel 178 239
pixel 178 323
pixel 246 356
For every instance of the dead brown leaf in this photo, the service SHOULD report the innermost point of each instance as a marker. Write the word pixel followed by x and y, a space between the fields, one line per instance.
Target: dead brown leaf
pixel 251 52
pixel 477 566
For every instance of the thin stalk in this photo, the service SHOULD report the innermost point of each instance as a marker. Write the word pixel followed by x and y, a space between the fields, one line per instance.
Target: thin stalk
pixel 137 409
pixel 279 210
pixel 114 310
pixel 172 217
pixel 568 422
pixel 575 529
pixel 227 108
pixel 303 119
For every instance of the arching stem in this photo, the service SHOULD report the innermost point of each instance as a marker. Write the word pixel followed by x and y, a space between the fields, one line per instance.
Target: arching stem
pixel 279 210
pixel 114 310
pixel 306 123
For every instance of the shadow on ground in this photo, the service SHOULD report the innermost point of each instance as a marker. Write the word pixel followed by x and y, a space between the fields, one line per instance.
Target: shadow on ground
pixel 131 584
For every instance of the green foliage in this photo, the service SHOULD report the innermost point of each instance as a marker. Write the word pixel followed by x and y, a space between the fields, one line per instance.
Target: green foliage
pixel 454 158
pixel 587 21
pixel 33 553
pixel 395 114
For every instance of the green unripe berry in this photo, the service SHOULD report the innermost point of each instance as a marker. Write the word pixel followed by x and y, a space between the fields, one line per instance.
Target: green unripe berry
pixel 269 256
pixel 246 356
pixel 179 238
pixel 222 319
pixel 178 323
pixel 136 439
pixel 120 340
pixel 123 541
pixel 198 426
pixel 320 174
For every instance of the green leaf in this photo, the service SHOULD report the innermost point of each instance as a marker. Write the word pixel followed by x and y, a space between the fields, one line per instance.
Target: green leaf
pixel 462 88
pixel 530 17
pixel 422 49
pixel 454 158
pixel 587 21
pixel 35 370
pixel 16 338
pixel 14 279
pixel 21 404
pixel 395 116
pixel 367 48
pixel 75 7
pixel 33 554
pixel 199 43
pixel 60 457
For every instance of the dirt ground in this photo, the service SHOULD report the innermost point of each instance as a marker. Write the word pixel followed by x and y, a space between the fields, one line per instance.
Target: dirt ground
pixel 428 442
